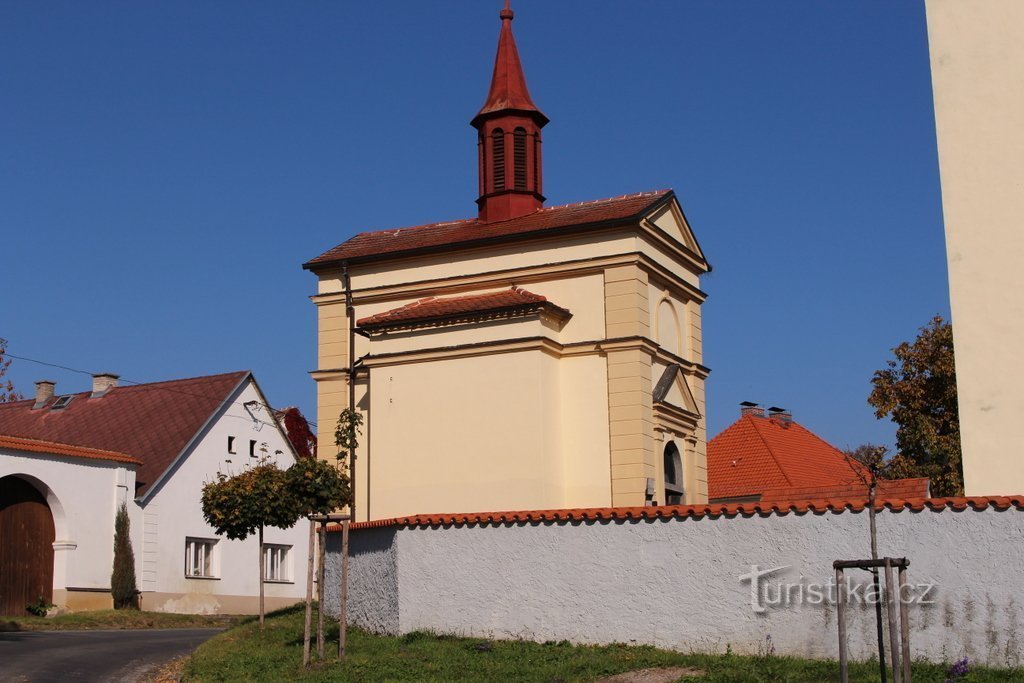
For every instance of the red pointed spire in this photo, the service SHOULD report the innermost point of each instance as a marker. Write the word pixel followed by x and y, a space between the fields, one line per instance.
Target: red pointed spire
pixel 509 141
pixel 508 84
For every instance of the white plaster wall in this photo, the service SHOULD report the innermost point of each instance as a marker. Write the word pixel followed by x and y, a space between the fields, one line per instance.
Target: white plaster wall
pixel 83 496
pixel 675 583
pixel 177 513
pixel 977 57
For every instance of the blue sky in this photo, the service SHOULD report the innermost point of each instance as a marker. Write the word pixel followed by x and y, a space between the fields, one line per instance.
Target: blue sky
pixel 166 167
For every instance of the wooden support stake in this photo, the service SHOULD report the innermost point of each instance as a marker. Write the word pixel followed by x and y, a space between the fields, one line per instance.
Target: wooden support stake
pixel 844 667
pixel 890 609
pixel 343 592
pixel 306 633
pixel 320 592
pixel 904 625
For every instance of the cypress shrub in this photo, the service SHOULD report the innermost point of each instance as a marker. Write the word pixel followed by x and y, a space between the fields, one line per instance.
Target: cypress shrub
pixel 122 579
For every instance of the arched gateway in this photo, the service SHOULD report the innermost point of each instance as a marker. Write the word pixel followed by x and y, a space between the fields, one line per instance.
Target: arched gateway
pixel 26 546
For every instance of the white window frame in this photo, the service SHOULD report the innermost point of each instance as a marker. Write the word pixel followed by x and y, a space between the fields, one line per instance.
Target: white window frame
pixel 203 551
pixel 277 563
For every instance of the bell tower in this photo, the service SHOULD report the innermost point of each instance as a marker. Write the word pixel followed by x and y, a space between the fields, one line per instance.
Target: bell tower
pixel 508 137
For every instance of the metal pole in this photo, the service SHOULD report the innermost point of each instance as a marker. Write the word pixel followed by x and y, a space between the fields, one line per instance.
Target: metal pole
pixel 890 608
pixel 844 671
pixel 306 633
pixel 904 625
pixel 343 616
pixel 350 317
pixel 320 593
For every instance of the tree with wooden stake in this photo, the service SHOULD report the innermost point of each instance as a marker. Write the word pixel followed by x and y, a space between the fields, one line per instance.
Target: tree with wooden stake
pixel 246 503
pixel 317 487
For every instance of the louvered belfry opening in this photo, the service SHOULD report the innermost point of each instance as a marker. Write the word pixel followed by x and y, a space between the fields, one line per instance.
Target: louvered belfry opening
pixel 509 179
pixel 498 160
pixel 519 158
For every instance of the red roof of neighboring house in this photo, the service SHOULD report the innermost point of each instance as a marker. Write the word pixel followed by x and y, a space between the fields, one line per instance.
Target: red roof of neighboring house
pixel 856 504
pixel 154 422
pixel 402 241
pixel 756 454
pixel 888 489
pixel 435 309
pixel 37 446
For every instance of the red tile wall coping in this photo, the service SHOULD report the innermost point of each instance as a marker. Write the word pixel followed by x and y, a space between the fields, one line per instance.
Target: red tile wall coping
pixel 715 510
pixel 51 448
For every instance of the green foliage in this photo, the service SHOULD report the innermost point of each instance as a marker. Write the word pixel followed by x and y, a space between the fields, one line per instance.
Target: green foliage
pixel 122 578
pixel 346 434
pixel 246 654
pixel 7 392
pixel 318 487
pixel 918 391
pixel 258 497
pixel 39 608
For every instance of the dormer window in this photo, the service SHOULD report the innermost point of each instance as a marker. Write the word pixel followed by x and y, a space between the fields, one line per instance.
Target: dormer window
pixel 61 402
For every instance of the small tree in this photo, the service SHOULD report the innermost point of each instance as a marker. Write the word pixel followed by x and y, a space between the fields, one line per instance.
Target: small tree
pixel 318 487
pixel 122 579
pixel 7 392
pixel 918 391
pixel 246 503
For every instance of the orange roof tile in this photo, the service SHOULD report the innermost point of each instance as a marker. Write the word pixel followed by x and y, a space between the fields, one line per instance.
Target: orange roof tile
pixel 455 307
pixel 367 246
pixel 38 446
pixel 692 511
pixel 887 489
pixel 757 454
pixel 154 421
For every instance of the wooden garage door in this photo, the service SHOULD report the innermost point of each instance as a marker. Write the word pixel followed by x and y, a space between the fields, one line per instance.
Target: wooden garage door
pixel 26 546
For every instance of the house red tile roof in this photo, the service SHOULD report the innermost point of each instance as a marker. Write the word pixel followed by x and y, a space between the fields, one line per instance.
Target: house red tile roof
pixel 888 489
pixel 153 422
pixel 456 307
pixel 712 510
pixel 367 246
pixel 37 446
pixel 759 454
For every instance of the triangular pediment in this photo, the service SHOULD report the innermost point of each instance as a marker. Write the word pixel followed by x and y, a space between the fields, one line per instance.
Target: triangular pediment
pixel 673 390
pixel 669 219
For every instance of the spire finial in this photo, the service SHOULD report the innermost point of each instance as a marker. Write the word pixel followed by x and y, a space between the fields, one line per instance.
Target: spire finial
pixel 506 13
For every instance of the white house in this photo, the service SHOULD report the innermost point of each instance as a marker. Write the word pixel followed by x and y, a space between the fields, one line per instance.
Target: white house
pixel 67 462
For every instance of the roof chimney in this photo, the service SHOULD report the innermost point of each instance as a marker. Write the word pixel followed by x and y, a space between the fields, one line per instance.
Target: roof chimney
pixel 751 408
pixel 44 392
pixel 103 383
pixel 780 414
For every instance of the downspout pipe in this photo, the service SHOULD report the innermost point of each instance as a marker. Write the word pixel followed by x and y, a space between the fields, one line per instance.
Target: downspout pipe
pixel 350 315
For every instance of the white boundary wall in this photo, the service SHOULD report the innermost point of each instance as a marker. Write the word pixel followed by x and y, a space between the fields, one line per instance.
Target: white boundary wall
pixel 675 582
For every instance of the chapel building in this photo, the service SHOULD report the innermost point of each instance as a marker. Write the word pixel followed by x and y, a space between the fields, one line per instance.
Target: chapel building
pixel 529 357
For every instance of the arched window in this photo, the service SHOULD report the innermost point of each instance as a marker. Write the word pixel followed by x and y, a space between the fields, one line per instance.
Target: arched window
pixel 499 159
pixel 519 157
pixel 673 475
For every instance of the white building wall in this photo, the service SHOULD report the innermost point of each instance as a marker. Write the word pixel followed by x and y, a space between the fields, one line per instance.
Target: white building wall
pixel 83 496
pixel 174 513
pixel 977 57
pixel 677 584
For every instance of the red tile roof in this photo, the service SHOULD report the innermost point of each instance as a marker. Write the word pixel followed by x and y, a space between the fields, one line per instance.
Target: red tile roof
pixel 367 246
pixel 758 454
pixel 37 446
pixel 153 422
pixel 693 511
pixel 889 489
pixel 451 308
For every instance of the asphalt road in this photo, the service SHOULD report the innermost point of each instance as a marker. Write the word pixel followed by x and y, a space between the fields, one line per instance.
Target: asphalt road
pixel 45 656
